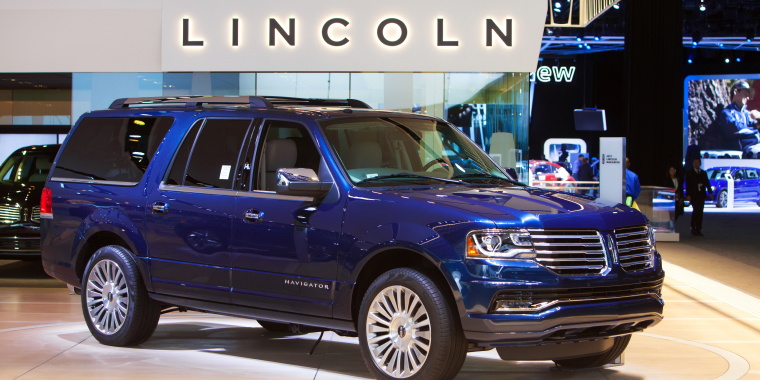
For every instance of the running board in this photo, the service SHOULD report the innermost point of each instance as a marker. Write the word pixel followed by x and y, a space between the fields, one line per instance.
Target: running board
pixel 255 313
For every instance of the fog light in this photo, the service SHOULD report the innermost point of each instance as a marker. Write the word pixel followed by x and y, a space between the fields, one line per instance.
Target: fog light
pixel 504 306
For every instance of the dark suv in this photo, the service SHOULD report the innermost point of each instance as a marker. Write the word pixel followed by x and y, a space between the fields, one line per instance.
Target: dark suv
pixel 22 177
pixel 314 215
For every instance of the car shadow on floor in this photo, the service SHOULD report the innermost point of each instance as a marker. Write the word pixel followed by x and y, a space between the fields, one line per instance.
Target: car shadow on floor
pixel 339 355
pixel 26 274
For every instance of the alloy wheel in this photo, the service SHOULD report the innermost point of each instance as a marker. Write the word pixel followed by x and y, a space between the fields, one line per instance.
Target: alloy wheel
pixel 398 332
pixel 107 297
pixel 723 199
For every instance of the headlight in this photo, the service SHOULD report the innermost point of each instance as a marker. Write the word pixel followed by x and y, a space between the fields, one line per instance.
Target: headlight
pixel 500 244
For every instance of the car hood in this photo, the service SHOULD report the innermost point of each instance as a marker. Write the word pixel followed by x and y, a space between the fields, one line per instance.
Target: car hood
pixel 22 194
pixel 525 207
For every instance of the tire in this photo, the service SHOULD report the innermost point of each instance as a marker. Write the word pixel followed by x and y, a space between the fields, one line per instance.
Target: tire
pixel 274 326
pixel 621 343
pixel 722 201
pixel 126 316
pixel 432 324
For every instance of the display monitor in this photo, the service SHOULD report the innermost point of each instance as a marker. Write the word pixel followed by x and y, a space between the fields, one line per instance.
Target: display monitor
pixel 590 120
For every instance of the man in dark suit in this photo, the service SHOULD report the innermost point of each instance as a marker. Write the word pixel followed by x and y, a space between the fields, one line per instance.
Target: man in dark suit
pixel 692 151
pixel 697 186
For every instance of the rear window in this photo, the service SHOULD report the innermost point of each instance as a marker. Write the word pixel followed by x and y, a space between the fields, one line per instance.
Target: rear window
pixel 112 149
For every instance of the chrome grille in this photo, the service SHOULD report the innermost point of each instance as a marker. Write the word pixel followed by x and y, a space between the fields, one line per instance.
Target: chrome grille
pixel 635 248
pixel 570 252
pixel 35 217
pixel 10 214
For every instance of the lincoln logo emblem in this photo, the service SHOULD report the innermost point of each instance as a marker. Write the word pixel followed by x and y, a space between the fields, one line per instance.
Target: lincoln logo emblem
pixel 287 32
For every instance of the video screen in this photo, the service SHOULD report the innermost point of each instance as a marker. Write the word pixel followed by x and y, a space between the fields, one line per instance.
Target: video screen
pixel 723 115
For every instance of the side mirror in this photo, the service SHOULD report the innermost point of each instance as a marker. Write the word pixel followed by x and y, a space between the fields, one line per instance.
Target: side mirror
pixel 301 182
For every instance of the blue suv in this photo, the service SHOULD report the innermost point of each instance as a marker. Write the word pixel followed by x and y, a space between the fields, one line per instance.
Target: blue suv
pixel 746 184
pixel 314 215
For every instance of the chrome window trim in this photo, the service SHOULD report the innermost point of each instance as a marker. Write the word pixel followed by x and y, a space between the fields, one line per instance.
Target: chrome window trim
pixel 95 182
pixel 233 193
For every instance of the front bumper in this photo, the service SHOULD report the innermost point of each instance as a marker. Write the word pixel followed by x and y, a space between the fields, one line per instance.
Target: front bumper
pixel 611 304
pixel 20 241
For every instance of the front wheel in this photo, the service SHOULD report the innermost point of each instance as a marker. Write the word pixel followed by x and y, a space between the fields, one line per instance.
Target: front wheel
pixel 408 330
pixel 598 360
pixel 722 199
pixel 116 306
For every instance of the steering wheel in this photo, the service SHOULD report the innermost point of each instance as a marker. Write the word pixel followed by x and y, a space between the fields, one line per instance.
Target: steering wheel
pixel 430 164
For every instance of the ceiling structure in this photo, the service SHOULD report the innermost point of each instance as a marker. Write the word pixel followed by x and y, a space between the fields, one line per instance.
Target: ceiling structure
pixel 708 24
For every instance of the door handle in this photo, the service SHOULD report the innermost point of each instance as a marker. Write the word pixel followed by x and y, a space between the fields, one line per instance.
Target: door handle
pixel 253 216
pixel 160 208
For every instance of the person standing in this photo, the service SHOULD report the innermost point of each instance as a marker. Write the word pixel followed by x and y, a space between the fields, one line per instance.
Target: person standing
pixel 585 174
pixel 697 186
pixel 577 166
pixel 675 182
pixel 632 185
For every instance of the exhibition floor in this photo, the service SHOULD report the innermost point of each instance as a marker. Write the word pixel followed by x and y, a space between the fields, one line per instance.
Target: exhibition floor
pixel 711 329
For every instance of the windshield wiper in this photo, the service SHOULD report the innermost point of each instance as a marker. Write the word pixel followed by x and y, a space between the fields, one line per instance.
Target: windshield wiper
pixel 409 175
pixel 486 175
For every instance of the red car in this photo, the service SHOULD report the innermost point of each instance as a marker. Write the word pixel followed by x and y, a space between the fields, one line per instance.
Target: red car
pixel 549 171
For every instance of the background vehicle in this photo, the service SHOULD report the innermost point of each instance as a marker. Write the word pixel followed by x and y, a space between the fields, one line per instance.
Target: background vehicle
pixel 550 171
pixel 314 215
pixel 22 177
pixel 746 185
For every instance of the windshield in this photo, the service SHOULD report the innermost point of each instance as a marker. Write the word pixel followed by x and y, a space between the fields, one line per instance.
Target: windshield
pixel 26 167
pixel 718 173
pixel 396 151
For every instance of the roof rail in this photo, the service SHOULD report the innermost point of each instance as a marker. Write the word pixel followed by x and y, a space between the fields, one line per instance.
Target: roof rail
pixel 251 101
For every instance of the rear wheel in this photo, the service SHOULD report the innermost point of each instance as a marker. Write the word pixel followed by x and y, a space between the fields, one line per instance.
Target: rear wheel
pixel 722 199
pixel 408 330
pixel 621 343
pixel 115 303
pixel 274 326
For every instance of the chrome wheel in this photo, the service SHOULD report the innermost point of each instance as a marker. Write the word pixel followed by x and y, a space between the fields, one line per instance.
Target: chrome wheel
pixel 723 199
pixel 107 297
pixel 398 332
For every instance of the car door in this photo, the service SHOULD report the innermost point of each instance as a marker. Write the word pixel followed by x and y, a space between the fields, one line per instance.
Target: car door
pixel 189 221
pixel 740 185
pixel 753 184
pixel 285 247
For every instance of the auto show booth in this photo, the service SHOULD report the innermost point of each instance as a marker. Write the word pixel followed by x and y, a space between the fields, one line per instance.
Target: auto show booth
pixel 470 68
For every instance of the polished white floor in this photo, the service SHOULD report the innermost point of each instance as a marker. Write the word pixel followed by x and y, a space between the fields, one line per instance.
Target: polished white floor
pixel 709 333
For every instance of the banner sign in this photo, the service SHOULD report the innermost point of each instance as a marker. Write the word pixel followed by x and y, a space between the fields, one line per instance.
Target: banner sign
pixel 387 36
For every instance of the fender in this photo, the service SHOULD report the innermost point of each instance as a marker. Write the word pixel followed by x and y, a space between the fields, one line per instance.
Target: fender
pixel 113 221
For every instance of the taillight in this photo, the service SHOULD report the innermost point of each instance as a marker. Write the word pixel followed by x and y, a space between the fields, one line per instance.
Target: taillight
pixel 46 204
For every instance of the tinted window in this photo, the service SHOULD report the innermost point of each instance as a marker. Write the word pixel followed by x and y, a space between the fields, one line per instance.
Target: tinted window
pixel 752 174
pixel 286 145
pixel 29 166
pixel 215 154
pixel 177 173
pixel 112 149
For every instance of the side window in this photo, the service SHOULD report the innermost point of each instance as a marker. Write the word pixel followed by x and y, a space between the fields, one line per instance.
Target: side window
pixel 112 149
pixel 177 174
pixel 215 154
pixel 739 175
pixel 285 145
pixel 752 174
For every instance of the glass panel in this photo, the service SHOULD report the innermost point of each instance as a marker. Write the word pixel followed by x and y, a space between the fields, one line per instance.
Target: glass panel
pixel 287 145
pixel 96 91
pixel 29 166
pixel 177 173
pixel 247 84
pixel 303 85
pixel 113 149
pixel 369 88
pixel 178 84
pixel 214 158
